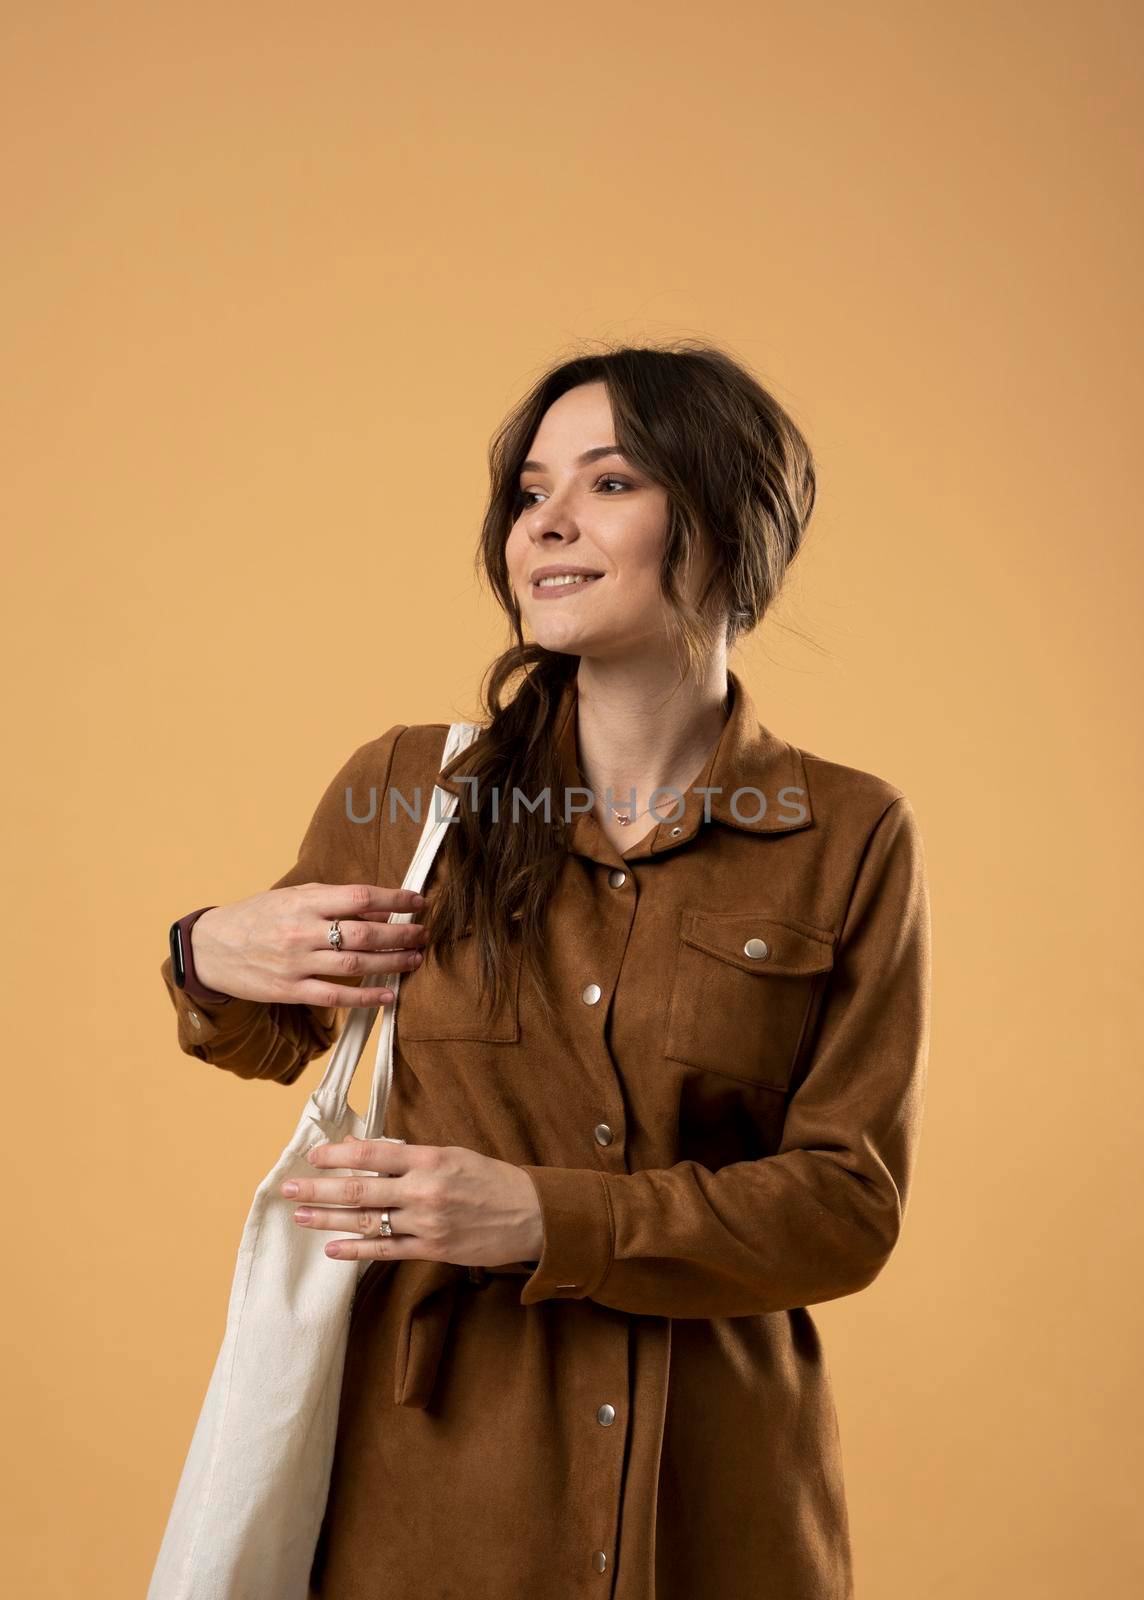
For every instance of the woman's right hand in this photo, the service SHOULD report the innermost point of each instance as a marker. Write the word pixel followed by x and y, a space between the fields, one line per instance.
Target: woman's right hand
pixel 274 946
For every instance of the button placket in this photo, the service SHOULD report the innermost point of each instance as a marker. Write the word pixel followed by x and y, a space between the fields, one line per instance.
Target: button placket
pixel 600 1360
pixel 591 995
pixel 603 1359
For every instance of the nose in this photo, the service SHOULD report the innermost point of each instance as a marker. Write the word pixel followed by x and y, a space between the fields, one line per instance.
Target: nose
pixel 553 533
pixel 552 519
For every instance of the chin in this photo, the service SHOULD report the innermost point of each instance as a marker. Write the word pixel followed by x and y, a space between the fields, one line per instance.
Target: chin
pixel 570 638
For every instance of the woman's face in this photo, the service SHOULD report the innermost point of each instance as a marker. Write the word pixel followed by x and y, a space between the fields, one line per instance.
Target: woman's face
pixel 599 514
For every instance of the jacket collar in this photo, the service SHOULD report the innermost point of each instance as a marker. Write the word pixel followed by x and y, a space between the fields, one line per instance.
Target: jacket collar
pixel 758 782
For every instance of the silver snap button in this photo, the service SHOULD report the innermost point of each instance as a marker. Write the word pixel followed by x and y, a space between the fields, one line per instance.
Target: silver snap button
pixel 599 1560
pixel 606 1416
pixel 604 1134
pixel 591 994
pixel 759 948
pixel 675 832
pixel 617 878
pixel 194 1016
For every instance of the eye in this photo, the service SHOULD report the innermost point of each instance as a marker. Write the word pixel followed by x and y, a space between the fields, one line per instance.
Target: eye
pixel 524 496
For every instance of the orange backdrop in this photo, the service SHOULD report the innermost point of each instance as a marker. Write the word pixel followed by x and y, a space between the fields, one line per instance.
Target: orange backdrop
pixel 273 274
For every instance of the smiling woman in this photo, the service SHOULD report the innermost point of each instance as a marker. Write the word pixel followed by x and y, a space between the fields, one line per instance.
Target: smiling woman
pixel 658 1097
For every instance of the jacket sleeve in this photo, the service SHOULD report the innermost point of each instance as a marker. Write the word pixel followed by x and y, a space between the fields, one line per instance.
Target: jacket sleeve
pixel 819 1218
pixel 274 1039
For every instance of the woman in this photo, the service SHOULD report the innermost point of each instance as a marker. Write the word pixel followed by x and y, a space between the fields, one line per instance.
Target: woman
pixel 660 1051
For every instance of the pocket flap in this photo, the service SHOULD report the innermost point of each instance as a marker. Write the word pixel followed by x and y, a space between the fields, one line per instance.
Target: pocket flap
pixel 759 942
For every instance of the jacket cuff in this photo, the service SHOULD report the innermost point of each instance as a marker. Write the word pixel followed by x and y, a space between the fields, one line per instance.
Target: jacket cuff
pixel 578 1234
pixel 200 1021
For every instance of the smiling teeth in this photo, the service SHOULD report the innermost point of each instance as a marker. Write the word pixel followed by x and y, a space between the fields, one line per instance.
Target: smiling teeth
pixel 568 577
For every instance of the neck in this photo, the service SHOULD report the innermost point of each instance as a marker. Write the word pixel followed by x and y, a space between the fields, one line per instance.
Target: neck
pixel 639 727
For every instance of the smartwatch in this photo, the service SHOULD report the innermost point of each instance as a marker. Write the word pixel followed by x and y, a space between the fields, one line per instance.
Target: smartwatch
pixel 183 961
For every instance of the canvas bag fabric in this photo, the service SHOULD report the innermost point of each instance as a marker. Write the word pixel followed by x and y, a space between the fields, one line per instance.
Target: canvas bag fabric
pixel 249 1504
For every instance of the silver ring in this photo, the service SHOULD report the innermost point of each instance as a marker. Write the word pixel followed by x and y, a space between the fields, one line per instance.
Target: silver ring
pixel 386 1229
pixel 334 935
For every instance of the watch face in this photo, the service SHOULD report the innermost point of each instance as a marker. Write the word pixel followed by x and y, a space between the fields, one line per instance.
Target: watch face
pixel 178 968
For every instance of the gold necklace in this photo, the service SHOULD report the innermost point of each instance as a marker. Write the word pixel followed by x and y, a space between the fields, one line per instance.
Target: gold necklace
pixel 623 821
pixel 635 816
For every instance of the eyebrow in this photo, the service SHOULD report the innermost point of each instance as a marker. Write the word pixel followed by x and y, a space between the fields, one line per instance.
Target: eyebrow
pixel 581 461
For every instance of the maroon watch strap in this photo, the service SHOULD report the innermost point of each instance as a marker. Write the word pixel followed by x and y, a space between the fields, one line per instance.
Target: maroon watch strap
pixel 190 982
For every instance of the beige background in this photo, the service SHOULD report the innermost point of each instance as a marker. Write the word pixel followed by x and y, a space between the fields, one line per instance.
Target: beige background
pixel 272 276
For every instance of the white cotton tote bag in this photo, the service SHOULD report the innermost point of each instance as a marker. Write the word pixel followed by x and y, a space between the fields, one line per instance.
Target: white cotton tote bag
pixel 249 1505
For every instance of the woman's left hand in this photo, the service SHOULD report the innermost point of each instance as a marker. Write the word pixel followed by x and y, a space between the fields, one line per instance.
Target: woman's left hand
pixel 445 1203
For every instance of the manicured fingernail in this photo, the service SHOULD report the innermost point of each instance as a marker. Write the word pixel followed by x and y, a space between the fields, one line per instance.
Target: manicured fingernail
pixel 303 1214
pixel 290 1188
pixel 333 1249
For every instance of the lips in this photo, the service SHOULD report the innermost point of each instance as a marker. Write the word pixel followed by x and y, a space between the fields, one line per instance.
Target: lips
pixel 559 570
pixel 575 583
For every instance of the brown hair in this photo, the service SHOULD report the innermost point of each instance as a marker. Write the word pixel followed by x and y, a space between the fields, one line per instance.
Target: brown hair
pixel 737 471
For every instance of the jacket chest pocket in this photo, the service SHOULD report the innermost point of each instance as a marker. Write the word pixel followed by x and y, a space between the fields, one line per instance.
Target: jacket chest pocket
pixel 436 1002
pixel 745 988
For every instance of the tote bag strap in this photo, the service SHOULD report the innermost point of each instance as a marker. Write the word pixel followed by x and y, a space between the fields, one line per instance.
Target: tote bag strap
pixel 331 1094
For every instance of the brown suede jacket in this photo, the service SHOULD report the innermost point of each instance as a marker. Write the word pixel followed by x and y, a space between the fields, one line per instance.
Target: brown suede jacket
pixel 721 1130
